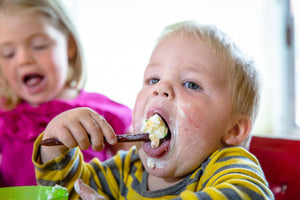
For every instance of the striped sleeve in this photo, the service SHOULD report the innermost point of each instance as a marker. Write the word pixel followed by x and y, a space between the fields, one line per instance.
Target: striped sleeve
pixel 63 170
pixel 104 177
pixel 231 173
pixel 115 177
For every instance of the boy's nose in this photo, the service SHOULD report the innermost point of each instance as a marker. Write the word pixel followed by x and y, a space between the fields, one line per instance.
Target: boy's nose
pixel 164 90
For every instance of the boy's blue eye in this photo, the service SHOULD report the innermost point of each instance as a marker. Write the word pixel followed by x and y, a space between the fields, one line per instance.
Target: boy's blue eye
pixel 191 85
pixel 153 81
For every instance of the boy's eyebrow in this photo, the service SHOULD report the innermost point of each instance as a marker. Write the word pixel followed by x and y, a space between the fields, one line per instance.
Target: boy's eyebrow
pixel 200 67
pixel 194 67
pixel 152 64
pixel 190 66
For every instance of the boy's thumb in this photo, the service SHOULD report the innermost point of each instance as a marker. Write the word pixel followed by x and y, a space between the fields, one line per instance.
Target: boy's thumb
pixel 86 192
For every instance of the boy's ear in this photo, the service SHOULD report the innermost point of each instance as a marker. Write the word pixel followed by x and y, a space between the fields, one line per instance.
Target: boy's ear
pixel 71 47
pixel 239 132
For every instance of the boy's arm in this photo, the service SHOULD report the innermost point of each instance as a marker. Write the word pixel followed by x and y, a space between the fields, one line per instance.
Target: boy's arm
pixel 63 170
pixel 70 166
pixel 231 173
pixel 63 164
pixel 77 127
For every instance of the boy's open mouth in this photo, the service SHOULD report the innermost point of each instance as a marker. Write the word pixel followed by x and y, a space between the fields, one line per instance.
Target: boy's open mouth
pixel 163 144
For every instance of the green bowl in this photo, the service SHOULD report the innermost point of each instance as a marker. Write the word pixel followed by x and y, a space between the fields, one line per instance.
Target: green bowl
pixel 34 193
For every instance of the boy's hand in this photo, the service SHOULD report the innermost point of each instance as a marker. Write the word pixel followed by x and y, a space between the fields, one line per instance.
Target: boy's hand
pixel 85 192
pixel 77 127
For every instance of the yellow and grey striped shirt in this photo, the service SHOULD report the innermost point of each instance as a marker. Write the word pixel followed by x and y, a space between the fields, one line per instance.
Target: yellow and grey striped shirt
pixel 229 173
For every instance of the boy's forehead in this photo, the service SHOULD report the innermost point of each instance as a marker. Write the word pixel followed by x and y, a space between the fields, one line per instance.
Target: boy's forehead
pixel 186 41
pixel 185 47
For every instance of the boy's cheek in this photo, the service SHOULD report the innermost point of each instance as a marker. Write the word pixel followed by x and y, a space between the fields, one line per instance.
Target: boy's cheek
pixel 190 116
pixel 139 107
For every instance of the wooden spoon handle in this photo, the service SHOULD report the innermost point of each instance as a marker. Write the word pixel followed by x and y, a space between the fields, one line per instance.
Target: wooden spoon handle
pixel 120 138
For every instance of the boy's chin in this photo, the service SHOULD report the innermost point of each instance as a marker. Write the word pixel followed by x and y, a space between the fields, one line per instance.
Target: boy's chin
pixel 154 166
pixel 157 170
pixel 165 174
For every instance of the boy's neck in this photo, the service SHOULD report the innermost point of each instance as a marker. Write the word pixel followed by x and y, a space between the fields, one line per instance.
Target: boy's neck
pixel 156 183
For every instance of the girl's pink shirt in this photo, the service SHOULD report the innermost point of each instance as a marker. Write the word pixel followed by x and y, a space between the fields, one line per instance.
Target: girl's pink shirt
pixel 20 127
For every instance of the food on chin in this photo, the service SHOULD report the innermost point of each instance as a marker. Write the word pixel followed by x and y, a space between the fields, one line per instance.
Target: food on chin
pixel 156 128
pixel 151 164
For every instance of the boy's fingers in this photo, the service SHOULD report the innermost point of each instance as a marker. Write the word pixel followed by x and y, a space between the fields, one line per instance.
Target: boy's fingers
pixel 85 192
pixel 94 132
pixel 80 134
pixel 67 138
pixel 106 129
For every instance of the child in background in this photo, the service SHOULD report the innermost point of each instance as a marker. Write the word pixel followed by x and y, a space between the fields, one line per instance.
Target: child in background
pixel 42 75
pixel 207 93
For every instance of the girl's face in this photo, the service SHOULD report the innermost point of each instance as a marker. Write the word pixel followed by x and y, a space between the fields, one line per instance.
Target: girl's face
pixel 188 85
pixel 33 56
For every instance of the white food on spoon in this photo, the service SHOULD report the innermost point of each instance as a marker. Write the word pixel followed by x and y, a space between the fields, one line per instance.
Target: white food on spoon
pixel 156 128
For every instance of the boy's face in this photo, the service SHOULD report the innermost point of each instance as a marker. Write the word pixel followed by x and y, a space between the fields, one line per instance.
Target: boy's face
pixel 188 85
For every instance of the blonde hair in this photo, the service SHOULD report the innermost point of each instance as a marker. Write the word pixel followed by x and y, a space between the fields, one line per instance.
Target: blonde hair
pixel 58 17
pixel 244 78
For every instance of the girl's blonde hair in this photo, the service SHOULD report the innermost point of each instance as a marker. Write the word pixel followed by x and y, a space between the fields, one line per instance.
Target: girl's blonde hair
pixel 244 77
pixel 58 17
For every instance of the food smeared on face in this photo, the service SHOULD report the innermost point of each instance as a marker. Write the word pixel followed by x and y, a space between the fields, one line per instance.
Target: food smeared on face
pixel 156 128
pixel 150 164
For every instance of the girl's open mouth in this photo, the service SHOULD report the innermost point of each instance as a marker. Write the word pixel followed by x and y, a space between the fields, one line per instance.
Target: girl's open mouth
pixel 34 82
